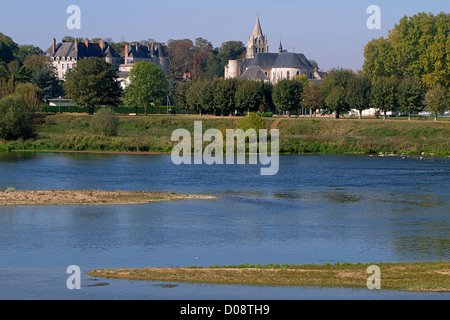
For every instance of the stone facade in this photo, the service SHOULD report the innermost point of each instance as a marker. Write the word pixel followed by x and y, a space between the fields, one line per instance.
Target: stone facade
pixel 65 55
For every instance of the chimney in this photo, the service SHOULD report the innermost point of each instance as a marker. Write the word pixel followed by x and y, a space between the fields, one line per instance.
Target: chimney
pixel 86 42
pixel 126 53
pixel 76 43
pixel 101 43
pixel 137 46
pixel 54 46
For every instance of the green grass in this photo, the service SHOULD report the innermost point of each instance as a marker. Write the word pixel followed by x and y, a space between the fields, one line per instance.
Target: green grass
pixel 71 132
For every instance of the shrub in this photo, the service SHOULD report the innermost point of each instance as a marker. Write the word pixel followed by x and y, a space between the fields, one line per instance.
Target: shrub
pixel 15 121
pixel 105 122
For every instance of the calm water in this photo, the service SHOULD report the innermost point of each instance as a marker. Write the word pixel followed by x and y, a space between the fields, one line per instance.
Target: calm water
pixel 317 209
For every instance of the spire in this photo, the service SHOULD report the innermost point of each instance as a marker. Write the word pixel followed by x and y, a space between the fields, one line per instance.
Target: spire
pixel 280 48
pixel 257 31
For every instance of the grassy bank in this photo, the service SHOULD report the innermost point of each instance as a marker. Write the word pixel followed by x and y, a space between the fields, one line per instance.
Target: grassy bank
pixel 12 197
pixel 71 132
pixel 419 277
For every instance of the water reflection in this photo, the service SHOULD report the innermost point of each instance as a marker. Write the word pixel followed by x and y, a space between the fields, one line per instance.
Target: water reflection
pixel 318 209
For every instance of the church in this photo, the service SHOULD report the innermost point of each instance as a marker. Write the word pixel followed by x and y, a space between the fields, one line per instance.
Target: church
pixel 260 64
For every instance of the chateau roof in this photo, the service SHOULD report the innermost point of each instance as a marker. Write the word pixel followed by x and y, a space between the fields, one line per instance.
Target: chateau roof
pixel 83 50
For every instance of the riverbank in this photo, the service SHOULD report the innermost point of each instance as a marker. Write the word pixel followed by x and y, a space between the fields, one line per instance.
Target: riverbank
pixel 321 135
pixel 416 277
pixel 11 197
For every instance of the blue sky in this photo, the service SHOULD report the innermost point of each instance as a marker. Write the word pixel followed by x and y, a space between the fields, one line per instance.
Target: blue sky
pixel 331 32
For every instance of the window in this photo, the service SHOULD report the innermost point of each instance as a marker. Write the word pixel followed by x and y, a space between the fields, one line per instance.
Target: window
pixel 62 66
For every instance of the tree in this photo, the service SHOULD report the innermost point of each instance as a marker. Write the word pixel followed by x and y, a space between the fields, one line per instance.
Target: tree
pixel 358 93
pixel 336 101
pixel 287 95
pixel 225 95
pixel 105 122
pixel 249 95
pixel 46 80
pixel 411 95
pixel 181 94
pixel 384 94
pixel 336 83
pixel 417 47
pixel 15 120
pixel 147 86
pixel 194 96
pixel 31 94
pixel 230 50
pixel 379 59
pixel 437 100
pixel 252 121
pixel 312 98
pixel 93 83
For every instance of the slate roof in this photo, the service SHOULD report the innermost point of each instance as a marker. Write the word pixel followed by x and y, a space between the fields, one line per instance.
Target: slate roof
pixel 254 73
pixel 67 49
pixel 288 60
pixel 263 60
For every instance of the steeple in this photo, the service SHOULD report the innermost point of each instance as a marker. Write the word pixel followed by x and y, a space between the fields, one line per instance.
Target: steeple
pixel 257 31
pixel 257 42
pixel 280 48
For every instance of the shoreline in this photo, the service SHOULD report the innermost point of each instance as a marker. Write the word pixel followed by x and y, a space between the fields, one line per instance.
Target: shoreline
pixel 89 197
pixel 414 277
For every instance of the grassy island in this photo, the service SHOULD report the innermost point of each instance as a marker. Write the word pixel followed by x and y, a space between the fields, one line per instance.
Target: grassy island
pixel 89 197
pixel 416 277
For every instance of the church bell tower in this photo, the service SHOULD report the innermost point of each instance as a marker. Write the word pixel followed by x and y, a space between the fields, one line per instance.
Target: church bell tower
pixel 257 42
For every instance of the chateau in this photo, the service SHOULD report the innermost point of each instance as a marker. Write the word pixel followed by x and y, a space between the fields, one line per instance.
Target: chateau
pixel 65 55
pixel 260 64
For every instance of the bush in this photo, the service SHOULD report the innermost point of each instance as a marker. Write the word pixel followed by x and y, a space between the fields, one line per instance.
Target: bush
pixel 15 121
pixel 105 122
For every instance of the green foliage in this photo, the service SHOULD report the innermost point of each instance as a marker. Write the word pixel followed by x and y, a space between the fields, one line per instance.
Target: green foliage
pixel 417 47
pixel 410 93
pixel 249 95
pixel 105 122
pixel 147 86
pixel 15 121
pixel 384 94
pixel 437 100
pixel 358 93
pixel 93 83
pixel 251 121
pixel 287 95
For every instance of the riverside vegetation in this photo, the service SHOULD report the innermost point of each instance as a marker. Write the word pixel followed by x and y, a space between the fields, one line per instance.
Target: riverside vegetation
pixel 77 132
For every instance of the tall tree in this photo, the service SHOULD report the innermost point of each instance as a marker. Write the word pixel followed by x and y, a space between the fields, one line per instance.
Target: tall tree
pixel 411 96
pixel 249 95
pixel 147 86
pixel 336 101
pixel 93 83
pixel 287 95
pixel 358 93
pixel 384 94
pixel 312 98
pixel 336 83
pixel 437 100
pixel 225 95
